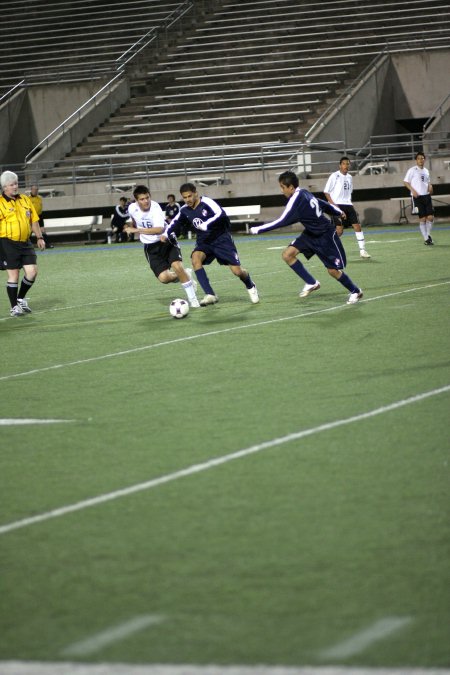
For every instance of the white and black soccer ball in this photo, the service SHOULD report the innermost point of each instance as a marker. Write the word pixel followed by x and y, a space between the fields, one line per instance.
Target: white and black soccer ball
pixel 179 308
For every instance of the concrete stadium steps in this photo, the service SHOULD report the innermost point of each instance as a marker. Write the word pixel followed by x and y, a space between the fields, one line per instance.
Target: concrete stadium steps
pixel 52 38
pixel 254 72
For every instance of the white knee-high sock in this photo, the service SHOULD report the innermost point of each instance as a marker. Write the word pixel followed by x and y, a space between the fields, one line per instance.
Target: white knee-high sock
pixel 423 229
pixel 360 240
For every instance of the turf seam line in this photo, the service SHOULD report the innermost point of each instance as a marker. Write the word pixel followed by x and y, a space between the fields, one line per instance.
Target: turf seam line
pixel 186 338
pixel 111 635
pixel 380 630
pixel 217 461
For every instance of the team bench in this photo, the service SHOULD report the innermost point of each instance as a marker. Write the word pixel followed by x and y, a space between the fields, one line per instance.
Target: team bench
pixel 73 225
pixel 243 215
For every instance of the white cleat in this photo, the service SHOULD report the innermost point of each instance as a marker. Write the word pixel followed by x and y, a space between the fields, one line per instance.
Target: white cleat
pixel 353 298
pixel 309 288
pixel 363 254
pixel 23 304
pixel 190 274
pixel 209 300
pixel 16 311
pixel 253 293
pixel 194 303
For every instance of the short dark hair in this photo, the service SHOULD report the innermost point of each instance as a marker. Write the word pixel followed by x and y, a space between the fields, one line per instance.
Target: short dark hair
pixel 343 159
pixel 288 178
pixel 123 199
pixel 169 196
pixel 140 190
pixel 188 187
pixel 420 154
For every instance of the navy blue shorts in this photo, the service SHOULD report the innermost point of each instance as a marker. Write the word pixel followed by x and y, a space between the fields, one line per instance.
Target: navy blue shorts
pixel 221 249
pixel 327 247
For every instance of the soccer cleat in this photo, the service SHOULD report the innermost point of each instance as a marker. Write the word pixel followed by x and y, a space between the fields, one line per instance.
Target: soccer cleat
pixel 429 242
pixel 190 274
pixel 253 293
pixel 194 303
pixel 209 300
pixel 23 304
pixel 309 288
pixel 353 298
pixel 16 311
pixel 363 254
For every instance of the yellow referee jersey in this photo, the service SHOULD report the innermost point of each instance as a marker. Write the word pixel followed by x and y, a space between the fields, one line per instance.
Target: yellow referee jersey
pixel 16 217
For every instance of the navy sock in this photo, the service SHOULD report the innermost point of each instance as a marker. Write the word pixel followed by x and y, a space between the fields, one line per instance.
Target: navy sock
pixel 302 272
pixel 204 281
pixel 348 283
pixel 248 282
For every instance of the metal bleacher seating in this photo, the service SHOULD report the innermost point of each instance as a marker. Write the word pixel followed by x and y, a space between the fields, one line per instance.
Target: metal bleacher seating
pixel 254 72
pixel 72 41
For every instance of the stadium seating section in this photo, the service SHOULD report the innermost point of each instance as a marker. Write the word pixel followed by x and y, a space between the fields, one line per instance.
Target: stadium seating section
pixel 254 71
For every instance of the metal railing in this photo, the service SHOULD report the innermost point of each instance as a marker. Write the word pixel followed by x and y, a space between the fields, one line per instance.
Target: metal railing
pixel 438 113
pixel 62 128
pixel 337 105
pixel 119 66
pixel 219 163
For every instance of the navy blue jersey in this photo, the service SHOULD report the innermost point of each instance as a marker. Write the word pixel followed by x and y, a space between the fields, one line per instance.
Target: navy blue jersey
pixel 208 218
pixel 304 208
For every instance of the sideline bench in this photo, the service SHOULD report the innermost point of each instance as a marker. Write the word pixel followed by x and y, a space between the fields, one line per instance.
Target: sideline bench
pixel 73 225
pixel 243 215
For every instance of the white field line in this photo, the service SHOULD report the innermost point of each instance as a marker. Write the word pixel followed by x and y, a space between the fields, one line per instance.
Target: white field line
pixel 358 642
pixel 187 338
pixel 217 461
pixel 46 668
pixel 389 241
pixel 13 421
pixel 111 635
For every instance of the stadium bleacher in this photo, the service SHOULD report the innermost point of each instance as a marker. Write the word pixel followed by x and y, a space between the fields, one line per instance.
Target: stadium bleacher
pixel 248 73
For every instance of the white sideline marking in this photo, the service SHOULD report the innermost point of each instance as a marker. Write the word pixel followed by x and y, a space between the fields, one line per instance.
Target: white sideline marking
pixel 11 421
pixel 389 241
pixel 221 331
pixel 111 635
pixel 217 461
pixel 357 643
pixel 44 668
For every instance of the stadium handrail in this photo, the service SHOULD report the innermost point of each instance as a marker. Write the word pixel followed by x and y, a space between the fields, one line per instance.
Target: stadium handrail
pixel 78 114
pixel 438 113
pixel 121 62
pixel 11 91
pixel 337 105
pixel 311 161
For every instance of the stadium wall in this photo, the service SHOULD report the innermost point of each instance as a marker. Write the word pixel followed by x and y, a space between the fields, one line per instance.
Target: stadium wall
pixel 406 87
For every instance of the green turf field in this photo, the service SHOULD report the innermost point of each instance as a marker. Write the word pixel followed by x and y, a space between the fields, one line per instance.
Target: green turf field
pixel 275 476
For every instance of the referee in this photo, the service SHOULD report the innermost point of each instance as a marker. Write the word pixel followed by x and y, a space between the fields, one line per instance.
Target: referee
pixel 18 218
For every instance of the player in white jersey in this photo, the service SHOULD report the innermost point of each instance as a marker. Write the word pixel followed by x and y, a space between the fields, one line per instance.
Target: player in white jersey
pixel 164 257
pixel 338 191
pixel 418 182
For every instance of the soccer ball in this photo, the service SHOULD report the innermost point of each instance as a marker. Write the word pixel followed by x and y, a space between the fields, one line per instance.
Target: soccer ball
pixel 179 308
